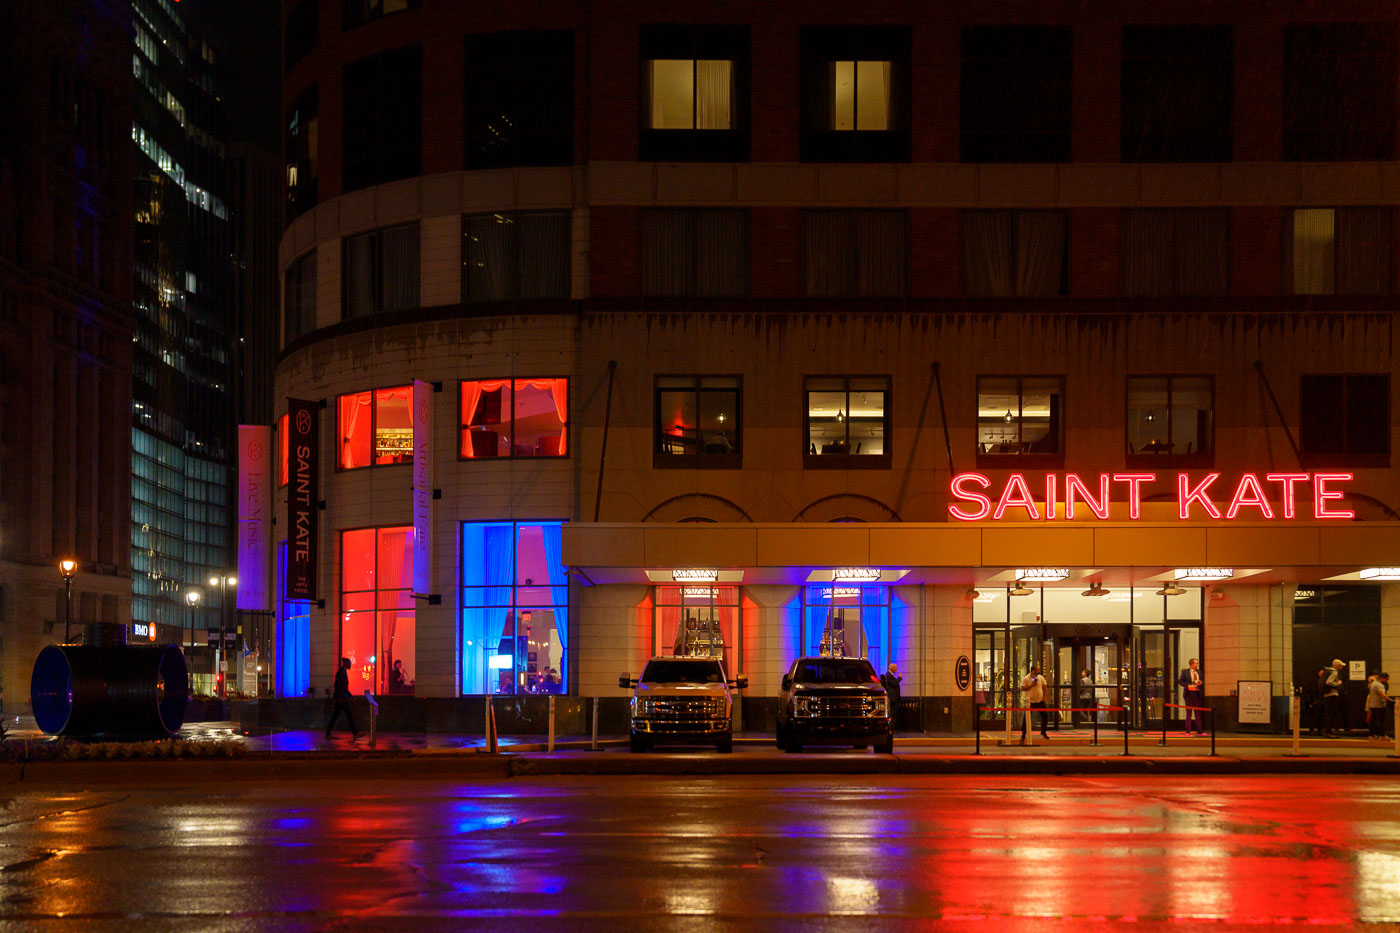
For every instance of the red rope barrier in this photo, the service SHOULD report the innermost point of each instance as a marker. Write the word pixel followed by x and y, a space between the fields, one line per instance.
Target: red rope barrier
pixel 1053 709
pixel 1199 709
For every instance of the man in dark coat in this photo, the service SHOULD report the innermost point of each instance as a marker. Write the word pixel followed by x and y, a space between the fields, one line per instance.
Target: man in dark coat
pixel 890 680
pixel 1193 694
pixel 341 696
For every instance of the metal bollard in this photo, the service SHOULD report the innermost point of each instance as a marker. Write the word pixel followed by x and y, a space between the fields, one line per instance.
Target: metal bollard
pixel 977 727
pixel 1007 741
pixel 491 744
pixel 1295 724
pixel 373 717
pixel 594 745
pixel 551 724
pixel 1397 730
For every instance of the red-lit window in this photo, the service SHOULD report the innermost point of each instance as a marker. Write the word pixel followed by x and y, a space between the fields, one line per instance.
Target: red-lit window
pixel 375 427
pixel 378 630
pixel 514 418
pixel 282 451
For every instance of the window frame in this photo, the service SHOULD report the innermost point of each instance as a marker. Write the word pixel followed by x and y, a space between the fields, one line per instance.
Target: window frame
pixel 730 43
pixel 1023 147
pixel 1177 215
pixel 349 21
pixel 821 45
pixel 692 216
pixel 1344 457
pixel 463 429
pixel 377 278
pixel 1015 215
pixel 1020 459
pixel 373 429
pixel 1386 251
pixel 1212 43
pixel 854 214
pixel 515 258
pixel 299 34
pixel 536 150
pixel 700 460
pixel 1372 51
pixel 364 164
pixel 1170 459
pixel 293 280
pixel 342 593
pixel 847 461
pixel 297 149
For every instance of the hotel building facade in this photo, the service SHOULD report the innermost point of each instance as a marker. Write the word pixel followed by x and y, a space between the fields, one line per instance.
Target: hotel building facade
pixel 772 330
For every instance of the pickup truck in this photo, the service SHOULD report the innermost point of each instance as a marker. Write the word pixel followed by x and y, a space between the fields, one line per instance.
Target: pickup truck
pixel 834 701
pixel 682 701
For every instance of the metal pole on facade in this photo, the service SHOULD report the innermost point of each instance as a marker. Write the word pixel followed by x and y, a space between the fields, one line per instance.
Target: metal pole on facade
pixel 69 569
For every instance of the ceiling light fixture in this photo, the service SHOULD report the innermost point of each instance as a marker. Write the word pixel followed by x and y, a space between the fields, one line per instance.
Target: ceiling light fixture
pixel 1380 573
pixel 1020 589
pixel 1095 589
pixel 1171 589
pixel 694 575
pixel 864 574
pixel 1204 573
pixel 972 593
pixel 1008 419
pixel 1041 574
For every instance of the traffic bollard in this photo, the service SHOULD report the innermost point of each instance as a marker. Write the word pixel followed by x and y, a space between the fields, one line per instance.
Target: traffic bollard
pixel 1295 723
pixel 373 717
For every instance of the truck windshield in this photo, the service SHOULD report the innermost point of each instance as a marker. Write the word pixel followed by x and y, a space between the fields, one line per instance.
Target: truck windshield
pixel 835 672
pixel 683 672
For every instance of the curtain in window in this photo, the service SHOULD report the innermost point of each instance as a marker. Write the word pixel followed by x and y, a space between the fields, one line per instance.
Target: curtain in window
pixel 488 551
pixel 1203 252
pixel 1040 252
pixel 359 276
pixel 872 95
pixel 829 253
pixel 721 254
pixel 544 254
pixel 471 396
pixel 1363 251
pixel 1314 251
pixel 401 271
pixel 488 253
pixel 1145 259
pixel 558 581
pixel 986 253
pixel 880 245
pixel 354 430
pixel 714 89
pixel 668 252
pixel 560 391
pixel 306 294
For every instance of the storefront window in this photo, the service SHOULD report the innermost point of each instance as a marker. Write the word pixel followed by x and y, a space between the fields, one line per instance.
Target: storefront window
pixel 378 630
pixel 697 421
pixel 515 608
pixel 847 421
pixel 841 621
pixel 293 638
pixel 1170 418
pixel 697 621
pixel 375 427
pixel 1019 415
pixel 515 418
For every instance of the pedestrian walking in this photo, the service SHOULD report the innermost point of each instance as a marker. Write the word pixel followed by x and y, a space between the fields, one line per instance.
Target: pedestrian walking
pixel 340 695
pixel 1033 686
pixel 1332 698
pixel 1193 691
pixel 891 680
pixel 1377 703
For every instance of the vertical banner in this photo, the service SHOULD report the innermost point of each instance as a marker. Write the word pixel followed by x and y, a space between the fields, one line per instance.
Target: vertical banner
pixel 254 516
pixel 303 496
pixel 422 488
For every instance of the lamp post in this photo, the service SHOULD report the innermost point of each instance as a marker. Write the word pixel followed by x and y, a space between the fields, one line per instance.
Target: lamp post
pixel 69 569
pixel 191 600
pixel 223 582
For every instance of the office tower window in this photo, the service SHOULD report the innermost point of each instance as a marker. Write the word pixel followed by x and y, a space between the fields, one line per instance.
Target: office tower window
pixel 1344 419
pixel 855 94
pixel 698 422
pixel 381 271
pixel 695 93
pixel 1178 93
pixel 1332 107
pixel 1016 94
pixel 299 297
pixel 1170 420
pixel 1175 252
pixel 378 622
pixel 299 36
pixel 515 254
pixel 848 421
pixel 1342 251
pixel 302 130
pixel 514 418
pixel 383 118
pixel 1021 253
pixel 694 253
pixel 1020 416
pixel 849 254
pixel 358 12
pixel 519 99
pixel 375 427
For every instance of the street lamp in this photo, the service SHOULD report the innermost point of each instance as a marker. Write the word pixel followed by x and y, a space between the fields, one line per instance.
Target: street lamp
pixel 191 600
pixel 69 568
pixel 223 583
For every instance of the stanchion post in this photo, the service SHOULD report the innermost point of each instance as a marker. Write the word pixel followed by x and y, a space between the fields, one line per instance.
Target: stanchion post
pixel 1397 730
pixel 1125 732
pixel 977 727
pixel 1295 722
pixel 1212 731
pixel 1165 706
pixel 594 745
pixel 1007 711
pixel 551 724
pixel 1094 718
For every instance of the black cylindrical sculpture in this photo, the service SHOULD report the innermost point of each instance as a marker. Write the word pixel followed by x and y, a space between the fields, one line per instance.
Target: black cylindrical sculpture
pixel 110 691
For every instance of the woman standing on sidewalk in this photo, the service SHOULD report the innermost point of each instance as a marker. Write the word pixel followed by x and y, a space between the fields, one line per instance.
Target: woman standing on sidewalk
pixel 1377 702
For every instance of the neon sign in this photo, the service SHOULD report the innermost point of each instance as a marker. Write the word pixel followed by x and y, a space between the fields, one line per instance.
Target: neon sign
pixel 1083 496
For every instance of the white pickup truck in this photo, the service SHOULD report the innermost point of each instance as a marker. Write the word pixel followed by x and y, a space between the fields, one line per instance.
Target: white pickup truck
pixel 683 701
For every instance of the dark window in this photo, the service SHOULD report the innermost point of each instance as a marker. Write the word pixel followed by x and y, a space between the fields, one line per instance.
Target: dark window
pixel 381 271
pixel 299 304
pixel 1175 252
pixel 694 95
pixel 850 254
pixel 695 253
pixel 303 124
pixel 1334 108
pixel 855 94
pixel 520 99
pixel 1344 419
pixel 1016 93
pixel 358 12
pixel 1007 253
pixel 383 112
pixel 510 255
pixel 1178 93
pixel 848 422
pixel 1170 420
pixel 1020 416
pixel 514 418
pixel 698 422
pixel 1341 251
pixel 300 37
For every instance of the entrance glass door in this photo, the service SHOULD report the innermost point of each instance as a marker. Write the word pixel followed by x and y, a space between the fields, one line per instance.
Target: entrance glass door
pixel 1088 673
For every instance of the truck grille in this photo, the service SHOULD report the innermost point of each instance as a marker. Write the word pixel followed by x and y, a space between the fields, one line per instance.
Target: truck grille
pixel 681 708
pixel 861 707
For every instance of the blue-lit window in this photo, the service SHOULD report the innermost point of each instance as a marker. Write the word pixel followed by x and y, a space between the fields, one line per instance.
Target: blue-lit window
pixel 846 621
pixel 293 639
pixel 515 608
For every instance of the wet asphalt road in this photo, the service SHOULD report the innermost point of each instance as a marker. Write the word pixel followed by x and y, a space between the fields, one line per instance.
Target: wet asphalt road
pixel 612 854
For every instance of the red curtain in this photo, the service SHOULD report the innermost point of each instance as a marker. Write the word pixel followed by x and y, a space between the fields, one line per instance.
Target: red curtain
pixel 471 395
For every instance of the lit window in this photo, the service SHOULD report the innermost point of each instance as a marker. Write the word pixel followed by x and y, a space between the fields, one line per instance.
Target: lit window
pixel 1342 251
pixel 855 94
pixel 1019 415
pixel 846 621
pixel 378 625
pixel 293 677
pixel 514 418
pixel 1170 418
pixel 848 421
pixel 697 421
pixel 375 427
pixel 697 621
pixel 860 95
pixel 691 94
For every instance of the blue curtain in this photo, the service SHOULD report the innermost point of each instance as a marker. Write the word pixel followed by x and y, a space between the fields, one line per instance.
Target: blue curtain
pixel 559 592
pixel 488 567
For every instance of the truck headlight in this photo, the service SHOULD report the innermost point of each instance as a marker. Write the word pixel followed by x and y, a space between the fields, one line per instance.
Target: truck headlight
pixel 803 706
pixel 880 706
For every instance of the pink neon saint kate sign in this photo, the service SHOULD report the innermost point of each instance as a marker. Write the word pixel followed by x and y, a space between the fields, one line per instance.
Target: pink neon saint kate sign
pixel 1070 496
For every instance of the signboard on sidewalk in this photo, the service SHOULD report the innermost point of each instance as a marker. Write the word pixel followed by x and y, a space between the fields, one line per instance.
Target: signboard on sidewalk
pixel 1357 670
pixel 1255 702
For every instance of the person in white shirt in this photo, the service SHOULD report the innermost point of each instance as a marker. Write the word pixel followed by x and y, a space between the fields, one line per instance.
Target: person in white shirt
pixel 1377 703
pixel 1193 696
pixel 1033 685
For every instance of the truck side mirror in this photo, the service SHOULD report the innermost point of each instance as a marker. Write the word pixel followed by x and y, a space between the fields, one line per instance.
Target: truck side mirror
pixel 787 682
pixel 625 682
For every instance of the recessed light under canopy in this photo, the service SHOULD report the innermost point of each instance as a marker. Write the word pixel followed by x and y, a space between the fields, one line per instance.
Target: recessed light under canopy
pixel 1380 573
pixel 1204 573
pixel 1041 574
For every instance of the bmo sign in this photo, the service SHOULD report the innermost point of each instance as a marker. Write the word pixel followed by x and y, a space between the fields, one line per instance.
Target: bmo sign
pixel 1252 498
pixel 144 630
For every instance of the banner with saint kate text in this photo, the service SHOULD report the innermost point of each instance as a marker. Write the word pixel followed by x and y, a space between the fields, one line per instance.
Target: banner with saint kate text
pixel 303 498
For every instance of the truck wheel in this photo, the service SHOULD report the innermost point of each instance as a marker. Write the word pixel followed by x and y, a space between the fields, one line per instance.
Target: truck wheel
pixel 781 737
pixel 640 743
pixel 887 746
pixel 793 745
pixel 725 745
